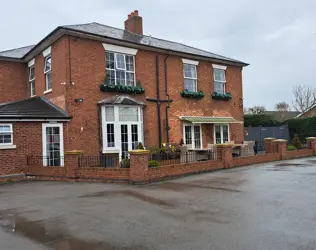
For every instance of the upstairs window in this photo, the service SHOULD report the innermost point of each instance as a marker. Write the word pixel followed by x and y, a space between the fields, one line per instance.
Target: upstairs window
pixel 32 80
pixel 48 73
pixel 120 69
pixel 190 77
pixel 219 79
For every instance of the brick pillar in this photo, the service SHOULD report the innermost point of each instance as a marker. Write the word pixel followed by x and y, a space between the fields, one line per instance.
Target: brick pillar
pixel 311 143
pixel 72 163
pixel 269 146
pixel 139 165
pixel 225 154
pixel 281 148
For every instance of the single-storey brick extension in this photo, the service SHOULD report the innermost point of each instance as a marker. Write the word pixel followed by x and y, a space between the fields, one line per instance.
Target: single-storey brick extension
pixel 103 90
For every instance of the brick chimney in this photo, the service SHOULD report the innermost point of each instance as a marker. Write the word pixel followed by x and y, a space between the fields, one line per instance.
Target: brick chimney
pixel 134 23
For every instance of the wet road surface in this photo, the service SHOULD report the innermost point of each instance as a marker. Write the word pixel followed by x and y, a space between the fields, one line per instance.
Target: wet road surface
pixel 268 206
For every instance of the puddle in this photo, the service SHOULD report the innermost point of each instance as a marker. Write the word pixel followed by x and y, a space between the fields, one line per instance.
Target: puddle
pixel 51 234
pixel 177 186
pixel 285 164
pixel 131 193
pixel 312 161
pixel 277 169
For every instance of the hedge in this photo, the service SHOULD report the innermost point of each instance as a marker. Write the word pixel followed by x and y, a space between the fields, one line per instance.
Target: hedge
pixel 260 120
pixel 303 127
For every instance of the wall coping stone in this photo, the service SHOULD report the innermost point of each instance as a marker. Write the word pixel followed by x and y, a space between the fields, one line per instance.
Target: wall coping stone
pixel 280 141
pixel 269 139
pixel 311 138
pixel 74 152
pixel 139 152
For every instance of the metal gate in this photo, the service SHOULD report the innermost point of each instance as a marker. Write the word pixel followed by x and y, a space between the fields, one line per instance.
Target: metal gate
pixel 258 134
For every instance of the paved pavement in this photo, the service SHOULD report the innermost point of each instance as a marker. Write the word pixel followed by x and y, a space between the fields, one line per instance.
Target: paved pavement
pixel 269 206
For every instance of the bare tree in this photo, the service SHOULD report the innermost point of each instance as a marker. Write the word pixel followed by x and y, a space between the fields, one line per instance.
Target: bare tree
pixel 257 109
pixel 304 97
pixel 282 107
pixel 245 110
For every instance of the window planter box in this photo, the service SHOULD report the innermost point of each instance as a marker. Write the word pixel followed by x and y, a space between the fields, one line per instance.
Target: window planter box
pixel 121 88
pixel 194 95
pixel 217 96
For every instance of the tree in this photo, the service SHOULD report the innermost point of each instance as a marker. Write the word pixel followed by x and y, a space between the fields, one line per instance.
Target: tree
pixel 282 107
pixel 257 109
pixel 304 97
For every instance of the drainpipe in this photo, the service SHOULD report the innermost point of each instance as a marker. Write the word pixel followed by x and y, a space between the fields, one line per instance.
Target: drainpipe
pixel 168 97
pixel 158 102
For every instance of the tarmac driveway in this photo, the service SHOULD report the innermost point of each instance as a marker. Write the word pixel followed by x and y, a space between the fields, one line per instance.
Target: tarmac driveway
pixel 268 206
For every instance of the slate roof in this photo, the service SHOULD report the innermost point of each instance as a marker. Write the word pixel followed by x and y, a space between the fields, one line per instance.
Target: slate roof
pixel 209 119
pixel 16 53
pixel 121 100
pixel 105 31
pixel 32 108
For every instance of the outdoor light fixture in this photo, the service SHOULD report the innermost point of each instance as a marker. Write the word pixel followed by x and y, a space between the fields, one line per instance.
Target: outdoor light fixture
pixel 78 100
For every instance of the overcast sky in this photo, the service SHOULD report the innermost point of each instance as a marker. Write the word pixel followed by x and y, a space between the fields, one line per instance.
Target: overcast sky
pixel 277 38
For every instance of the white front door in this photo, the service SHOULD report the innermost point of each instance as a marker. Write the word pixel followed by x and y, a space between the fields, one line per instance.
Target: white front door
pixel 53 144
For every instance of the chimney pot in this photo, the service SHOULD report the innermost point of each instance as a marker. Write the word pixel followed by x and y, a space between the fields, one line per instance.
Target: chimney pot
pixel 134 23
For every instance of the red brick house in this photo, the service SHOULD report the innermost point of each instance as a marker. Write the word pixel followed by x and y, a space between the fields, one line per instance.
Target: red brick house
pixel 102 90
pixel 310 112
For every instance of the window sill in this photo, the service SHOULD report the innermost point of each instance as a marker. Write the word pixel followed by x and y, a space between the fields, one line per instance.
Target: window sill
pixel 48 91
pixel 111 151
pixel 7 147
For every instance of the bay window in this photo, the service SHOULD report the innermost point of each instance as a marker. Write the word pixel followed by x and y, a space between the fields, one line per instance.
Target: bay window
pixel 120 69
pixel 221 133
pixel 122 128
pixel 192 135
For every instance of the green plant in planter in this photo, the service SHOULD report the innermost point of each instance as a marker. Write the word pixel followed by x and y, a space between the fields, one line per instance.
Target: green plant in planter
pixel 219 96
pixel 189 94
pixel 140 146
pixel 106 86
pixel 153 164
pixel 291 148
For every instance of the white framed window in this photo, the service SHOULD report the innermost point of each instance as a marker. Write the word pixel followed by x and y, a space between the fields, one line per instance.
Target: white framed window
pixel 192 135
pixel 120 68
pixel 32 80
pixel 219 81
pixel 122 129
pixel 221 133
pixel 190 77
pixel 48 73
pixel 6 134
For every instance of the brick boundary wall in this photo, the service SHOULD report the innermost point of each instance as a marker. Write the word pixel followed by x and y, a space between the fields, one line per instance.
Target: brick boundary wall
pixel 139 172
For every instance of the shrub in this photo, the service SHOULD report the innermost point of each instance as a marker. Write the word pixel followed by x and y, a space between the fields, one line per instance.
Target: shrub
pixel 296 142
pixel 153 164
pixel 304 127
pixel 291 148
pixel 140 146
pixel 125 163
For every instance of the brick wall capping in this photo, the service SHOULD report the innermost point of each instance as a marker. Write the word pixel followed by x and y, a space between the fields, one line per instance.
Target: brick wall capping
pixel 280 141
pixel 311 139
pixel 225 145
pixel 269 139
pixel 74 152
pixel 139 152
